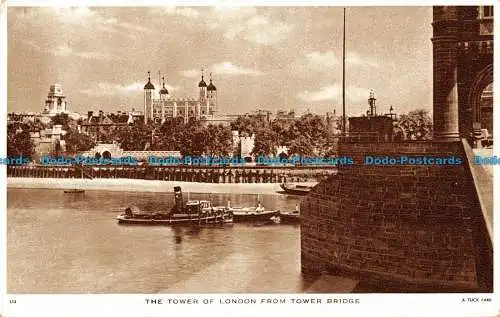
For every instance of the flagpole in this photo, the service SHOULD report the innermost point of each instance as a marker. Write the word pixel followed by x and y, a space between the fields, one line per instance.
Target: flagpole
pixel 343 81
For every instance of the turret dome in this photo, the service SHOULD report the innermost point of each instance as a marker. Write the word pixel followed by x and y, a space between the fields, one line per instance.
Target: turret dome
pixel 202 83
pixel 211 86
pixel 164 90
pixel 149 85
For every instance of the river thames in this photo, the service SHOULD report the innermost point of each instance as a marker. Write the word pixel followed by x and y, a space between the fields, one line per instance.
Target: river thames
pixel 71 243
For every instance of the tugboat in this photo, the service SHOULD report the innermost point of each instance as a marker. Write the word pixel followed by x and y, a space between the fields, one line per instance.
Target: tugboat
pixel 296 189
pixel 194 212
pixel 252 214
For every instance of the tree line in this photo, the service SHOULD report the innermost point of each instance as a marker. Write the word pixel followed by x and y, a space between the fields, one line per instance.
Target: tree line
pixel 309 134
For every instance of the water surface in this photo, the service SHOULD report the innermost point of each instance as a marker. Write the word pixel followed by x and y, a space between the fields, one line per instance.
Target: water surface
pixel 70 243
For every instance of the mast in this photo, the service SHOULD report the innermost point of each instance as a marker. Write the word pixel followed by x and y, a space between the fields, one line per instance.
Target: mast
pixel 343 80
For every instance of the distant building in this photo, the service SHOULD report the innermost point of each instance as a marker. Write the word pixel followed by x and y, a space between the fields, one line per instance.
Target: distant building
pixel 166 106
pixel 219 119
pixel 99 124
pixel 372 126
pixel 114 150
pixel 56 101
pixel 486 106
pixel 243 145
pixel 283 115
pixel 55 104
pixel 48 141
pixel 262 115
pixel 334 122
pixel 23 117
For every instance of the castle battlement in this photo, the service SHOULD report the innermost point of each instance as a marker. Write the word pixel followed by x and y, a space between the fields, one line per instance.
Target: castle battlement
pixel 164 106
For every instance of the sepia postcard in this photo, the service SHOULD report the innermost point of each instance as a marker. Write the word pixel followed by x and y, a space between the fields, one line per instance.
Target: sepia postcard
pixel 239 158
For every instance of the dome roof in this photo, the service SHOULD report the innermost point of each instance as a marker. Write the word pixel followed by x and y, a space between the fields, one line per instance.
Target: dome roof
pixel 211 86
pixel 202 83
pixel 149 85
pixel 163 90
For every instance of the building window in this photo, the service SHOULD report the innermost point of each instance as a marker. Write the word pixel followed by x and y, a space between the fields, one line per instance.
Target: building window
pixel 486 12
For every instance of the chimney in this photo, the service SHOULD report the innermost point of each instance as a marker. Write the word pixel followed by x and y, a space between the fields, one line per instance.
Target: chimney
pixel 178 198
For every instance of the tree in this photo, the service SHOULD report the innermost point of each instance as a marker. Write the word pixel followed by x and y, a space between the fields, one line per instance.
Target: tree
pixel 309 135
pixel 301 146
pixel 415 125
pixel 195 138
pixel 62 119
pixel 219 141
pixel 78 142
pixel 19 142
pixel 247 124
pixel 266 141
pixel 134 138
pixel 282 130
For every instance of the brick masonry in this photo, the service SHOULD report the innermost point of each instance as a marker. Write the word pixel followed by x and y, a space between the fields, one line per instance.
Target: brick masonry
pixel 462 68
pixel 414 225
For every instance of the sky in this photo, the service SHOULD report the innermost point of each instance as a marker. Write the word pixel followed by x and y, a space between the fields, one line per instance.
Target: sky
pixel 269 58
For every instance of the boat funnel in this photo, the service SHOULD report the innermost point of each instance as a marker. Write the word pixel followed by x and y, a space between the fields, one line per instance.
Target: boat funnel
pixel 178 197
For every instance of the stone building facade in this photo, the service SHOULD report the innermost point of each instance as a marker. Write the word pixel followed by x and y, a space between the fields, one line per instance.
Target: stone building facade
pixel 463 68
pixel 56 101
pixel 166 106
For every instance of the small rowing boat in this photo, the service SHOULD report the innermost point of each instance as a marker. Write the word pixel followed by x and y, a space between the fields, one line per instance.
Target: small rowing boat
pixel 74 191
pixel 296 189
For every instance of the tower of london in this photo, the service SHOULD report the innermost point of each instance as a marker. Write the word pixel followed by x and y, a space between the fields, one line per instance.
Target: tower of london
pixel 166 106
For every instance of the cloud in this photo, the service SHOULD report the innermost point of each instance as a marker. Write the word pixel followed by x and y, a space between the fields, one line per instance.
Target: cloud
pixel 237 23
pixel 261 30
pixel 110 89
pixel 224 68
pixel 355 59
pixel 322 59
pixel 334 93
pixel 80 17
pixel 183 11
pixel 192 73
pixel 245 23
pixel 64 50
pixel 227 68
pixel 327 60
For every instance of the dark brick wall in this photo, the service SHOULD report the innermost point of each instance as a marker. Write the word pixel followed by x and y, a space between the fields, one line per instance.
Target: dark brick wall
pixel 403 224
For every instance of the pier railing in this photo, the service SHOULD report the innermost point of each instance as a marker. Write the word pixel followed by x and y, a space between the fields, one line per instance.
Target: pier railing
pixel 206 174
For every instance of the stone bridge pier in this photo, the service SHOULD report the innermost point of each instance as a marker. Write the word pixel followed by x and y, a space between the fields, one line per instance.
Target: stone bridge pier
pixel 418 227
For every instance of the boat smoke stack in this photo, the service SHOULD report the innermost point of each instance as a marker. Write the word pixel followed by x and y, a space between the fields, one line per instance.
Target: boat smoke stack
pixel 178 198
